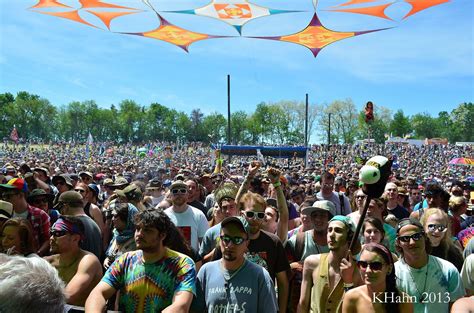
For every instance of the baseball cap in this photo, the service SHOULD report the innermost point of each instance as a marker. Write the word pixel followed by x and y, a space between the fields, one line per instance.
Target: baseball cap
pixel 39 192
pixel 94 188
pixel 178 184
pixel 239 220
pixel 69 197
pixel 320 205
pixel 120 182
pixel 86 174
pixel 344 219
pixel 155 183
pixel 226 191
pixel 409 221
pixel 6 210
pixel 16 183
pixel 130 192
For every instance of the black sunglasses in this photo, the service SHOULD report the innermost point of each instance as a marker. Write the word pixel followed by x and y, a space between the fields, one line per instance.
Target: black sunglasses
pixel 252 214
pixel 438 227
pixel 415 237
pixel 176 191
pixel 235 240
pixel 375 266
pixel 58 233
pixel 79 190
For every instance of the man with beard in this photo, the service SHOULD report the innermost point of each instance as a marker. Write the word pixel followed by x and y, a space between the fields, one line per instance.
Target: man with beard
pixel 225 198
pixel 153 278
pixel 190 220
pixel 326 276
pixel 234 284
pixel 80 270
pixel 264 249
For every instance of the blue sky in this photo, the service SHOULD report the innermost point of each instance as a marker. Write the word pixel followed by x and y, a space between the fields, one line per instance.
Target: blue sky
pixel 424 63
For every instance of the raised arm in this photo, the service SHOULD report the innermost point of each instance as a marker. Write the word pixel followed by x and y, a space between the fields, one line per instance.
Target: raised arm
pixel 253 169
pixel 274 176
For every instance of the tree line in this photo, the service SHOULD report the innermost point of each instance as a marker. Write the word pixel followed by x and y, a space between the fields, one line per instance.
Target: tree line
pixel 271 123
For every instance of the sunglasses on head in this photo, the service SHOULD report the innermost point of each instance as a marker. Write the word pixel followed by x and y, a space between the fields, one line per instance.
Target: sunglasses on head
pixel 235 240
pixel 176 191
pixel 438 227
pixel 375 266
pixel 252 214
pixel 58 233
pixel 415 237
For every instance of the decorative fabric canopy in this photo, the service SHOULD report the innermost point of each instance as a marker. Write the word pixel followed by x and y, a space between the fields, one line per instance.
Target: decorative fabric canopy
pixel 233 12
pixel 315 36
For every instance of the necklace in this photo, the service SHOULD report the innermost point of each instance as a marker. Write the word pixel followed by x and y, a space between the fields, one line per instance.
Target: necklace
pixel 420 294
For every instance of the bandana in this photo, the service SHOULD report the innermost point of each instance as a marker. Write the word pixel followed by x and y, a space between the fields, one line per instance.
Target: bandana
pixel 381 247
pixel 344 219
pixel 67 226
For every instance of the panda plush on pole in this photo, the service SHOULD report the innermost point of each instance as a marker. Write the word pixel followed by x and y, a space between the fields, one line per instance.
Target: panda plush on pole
pixel 374 175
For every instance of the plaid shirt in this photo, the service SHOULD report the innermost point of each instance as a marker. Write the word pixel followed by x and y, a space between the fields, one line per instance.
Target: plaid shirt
pixel 40 222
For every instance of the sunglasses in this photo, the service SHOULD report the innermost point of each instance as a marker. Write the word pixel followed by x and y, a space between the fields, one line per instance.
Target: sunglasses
pixel 415 237
pixel 438 227
pixel 252 214
pixel 60 183
pixel 360 197
pixel 58 233
pixel 176 191
pixel 375 266
pixel 235 240
pixel 79 190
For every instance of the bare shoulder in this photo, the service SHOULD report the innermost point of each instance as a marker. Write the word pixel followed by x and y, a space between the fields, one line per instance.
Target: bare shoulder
pixel 89 261
pixel 463 305
pixel 354 294
pixel 51 258
pixel 312 261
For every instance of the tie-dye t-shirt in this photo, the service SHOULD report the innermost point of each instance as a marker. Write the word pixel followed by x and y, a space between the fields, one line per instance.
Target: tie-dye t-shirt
pixel 150 287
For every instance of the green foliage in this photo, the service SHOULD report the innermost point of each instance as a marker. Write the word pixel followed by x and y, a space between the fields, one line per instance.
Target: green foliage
pixel 400 125
pixel 282 122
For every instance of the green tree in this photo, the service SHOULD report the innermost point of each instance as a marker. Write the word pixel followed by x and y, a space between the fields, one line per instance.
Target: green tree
pixel 400 125
pixel 425 126
pixel 215 126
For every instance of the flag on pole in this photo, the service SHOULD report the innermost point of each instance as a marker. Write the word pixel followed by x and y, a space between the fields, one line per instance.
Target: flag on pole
pixel 14 135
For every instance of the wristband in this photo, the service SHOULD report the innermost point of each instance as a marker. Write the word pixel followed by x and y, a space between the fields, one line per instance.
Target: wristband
pixel 348 286
pixel 277 184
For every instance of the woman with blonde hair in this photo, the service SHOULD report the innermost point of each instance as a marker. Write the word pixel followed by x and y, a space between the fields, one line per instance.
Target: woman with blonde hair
pixel 437 227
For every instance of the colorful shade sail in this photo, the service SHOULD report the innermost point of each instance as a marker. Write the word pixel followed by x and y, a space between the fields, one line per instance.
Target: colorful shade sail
pixel 233 12
pixel 378 11
pixel 49 4
pixel 420 5
pixel 315 36
pixel 175 35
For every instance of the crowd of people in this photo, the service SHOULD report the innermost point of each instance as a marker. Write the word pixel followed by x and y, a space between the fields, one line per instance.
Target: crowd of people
pixel 171 229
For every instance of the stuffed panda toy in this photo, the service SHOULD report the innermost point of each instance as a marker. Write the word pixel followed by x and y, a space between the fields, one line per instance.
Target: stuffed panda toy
pixel 374 174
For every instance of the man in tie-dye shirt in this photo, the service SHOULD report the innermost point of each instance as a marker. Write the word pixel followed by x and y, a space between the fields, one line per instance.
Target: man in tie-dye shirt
pixel 152 279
